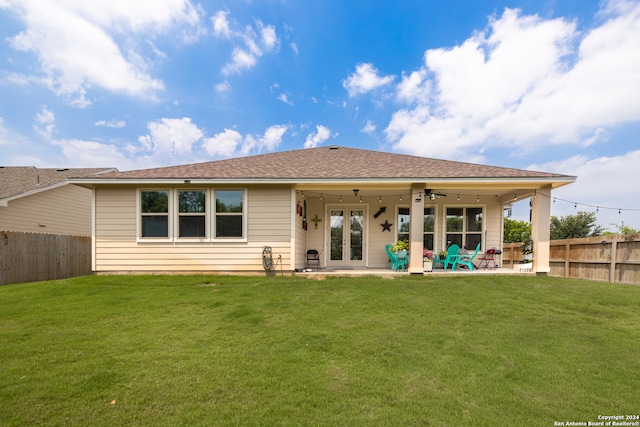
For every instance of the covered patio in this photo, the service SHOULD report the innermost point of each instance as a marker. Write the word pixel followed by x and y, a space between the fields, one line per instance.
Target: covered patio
pixel 350 225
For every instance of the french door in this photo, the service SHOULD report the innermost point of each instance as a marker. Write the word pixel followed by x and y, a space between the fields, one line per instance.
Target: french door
pixel 347 245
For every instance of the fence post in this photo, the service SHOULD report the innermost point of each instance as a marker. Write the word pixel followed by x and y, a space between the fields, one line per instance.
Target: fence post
pixel 567 259
pixel 612 267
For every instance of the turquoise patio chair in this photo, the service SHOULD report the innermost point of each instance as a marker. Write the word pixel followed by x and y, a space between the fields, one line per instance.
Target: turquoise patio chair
pixel 452 253
pixel 465 259
pixel 395 261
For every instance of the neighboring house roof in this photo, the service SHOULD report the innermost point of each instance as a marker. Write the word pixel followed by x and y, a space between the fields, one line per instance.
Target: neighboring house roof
pixel 19 181
pixel 329 163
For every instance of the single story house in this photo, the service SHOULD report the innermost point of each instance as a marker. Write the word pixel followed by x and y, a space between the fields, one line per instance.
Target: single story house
pixel 345 203
pixel 41 200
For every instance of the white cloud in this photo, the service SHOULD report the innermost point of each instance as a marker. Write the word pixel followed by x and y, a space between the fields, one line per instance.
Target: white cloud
pixel 364 80
pixel 231 142
pixel 294 48
pixel 223 87
pixel 314 139
pixel 117 124
pixel 240 60
pixel 223 144
pixel 414 87
pixel 268 34
pixel 82 44
pixel 369 128
pixel 256 41
pixel 221 24
pixel 273 136
pixel 524 82
pixel 171 138
pixel 284 98
pixel 45 122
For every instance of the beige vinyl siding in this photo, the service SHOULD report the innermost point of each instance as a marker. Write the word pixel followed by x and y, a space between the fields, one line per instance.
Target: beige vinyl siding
pixel 494 227
pixel 267 211
pixel 62 210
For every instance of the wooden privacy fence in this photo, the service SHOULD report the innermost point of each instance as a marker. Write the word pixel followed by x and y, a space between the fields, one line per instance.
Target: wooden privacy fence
pixel 595 258
pixel 29 257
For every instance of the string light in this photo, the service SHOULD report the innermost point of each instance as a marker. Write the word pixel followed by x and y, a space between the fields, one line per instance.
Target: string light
pixel 555 199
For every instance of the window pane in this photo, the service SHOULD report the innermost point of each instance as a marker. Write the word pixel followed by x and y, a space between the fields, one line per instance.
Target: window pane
pixel 337 235
pixel 357 223
pixel 229 226
pixel 229 201
pixel 429 220
pixel 155 226
pixel 191 201
pixel 154 201
pixel 474 219
pixel 472 241
pixel 454 219
pixel 192 226
pixel 427 242
pixel 454 239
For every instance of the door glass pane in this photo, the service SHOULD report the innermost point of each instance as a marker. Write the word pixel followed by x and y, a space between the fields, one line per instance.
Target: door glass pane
pixel 404 221
pixel 337 226
pixel 357 228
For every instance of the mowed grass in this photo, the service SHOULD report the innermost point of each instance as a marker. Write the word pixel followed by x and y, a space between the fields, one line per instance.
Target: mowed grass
pixel 266 351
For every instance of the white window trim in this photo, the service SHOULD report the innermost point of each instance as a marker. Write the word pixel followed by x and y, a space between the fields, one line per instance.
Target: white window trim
pixel 245 209
pixel 139 215
pixel 207 217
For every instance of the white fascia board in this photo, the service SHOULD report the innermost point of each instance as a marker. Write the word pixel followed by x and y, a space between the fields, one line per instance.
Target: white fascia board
pixel 333 181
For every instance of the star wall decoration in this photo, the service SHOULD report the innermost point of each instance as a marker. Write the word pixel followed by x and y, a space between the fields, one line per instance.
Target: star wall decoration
pixel 386 226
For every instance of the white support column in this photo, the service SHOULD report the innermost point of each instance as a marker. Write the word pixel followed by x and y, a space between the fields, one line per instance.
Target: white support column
pixel 540 230
pixel 416 229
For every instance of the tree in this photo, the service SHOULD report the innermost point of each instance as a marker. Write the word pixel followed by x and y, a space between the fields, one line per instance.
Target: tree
pixel 578 226
pixel 625 231
pixel 516 231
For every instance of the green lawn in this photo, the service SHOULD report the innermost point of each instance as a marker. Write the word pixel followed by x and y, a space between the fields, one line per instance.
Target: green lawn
pixel 256 351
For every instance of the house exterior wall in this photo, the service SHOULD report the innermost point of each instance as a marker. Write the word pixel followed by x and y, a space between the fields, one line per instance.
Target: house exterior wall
pixel 117 248
pixel 61 210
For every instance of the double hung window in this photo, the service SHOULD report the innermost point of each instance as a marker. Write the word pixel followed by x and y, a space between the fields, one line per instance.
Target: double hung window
pixel 229 214
pixel 154 214
pixel 192 213
pixel 464 226
pixel 404 221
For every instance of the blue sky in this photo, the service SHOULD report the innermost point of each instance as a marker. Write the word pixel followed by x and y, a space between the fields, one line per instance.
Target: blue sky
pixel 546 85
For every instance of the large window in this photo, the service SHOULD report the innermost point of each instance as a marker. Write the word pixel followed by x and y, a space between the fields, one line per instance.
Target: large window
pixel 404 221
pixel 464 227
pixel 192 213
pixel 229 214
pixel 154 213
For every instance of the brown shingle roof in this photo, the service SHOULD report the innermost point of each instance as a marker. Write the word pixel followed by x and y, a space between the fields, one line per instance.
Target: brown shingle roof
pixel 329 163
pixel 16 180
